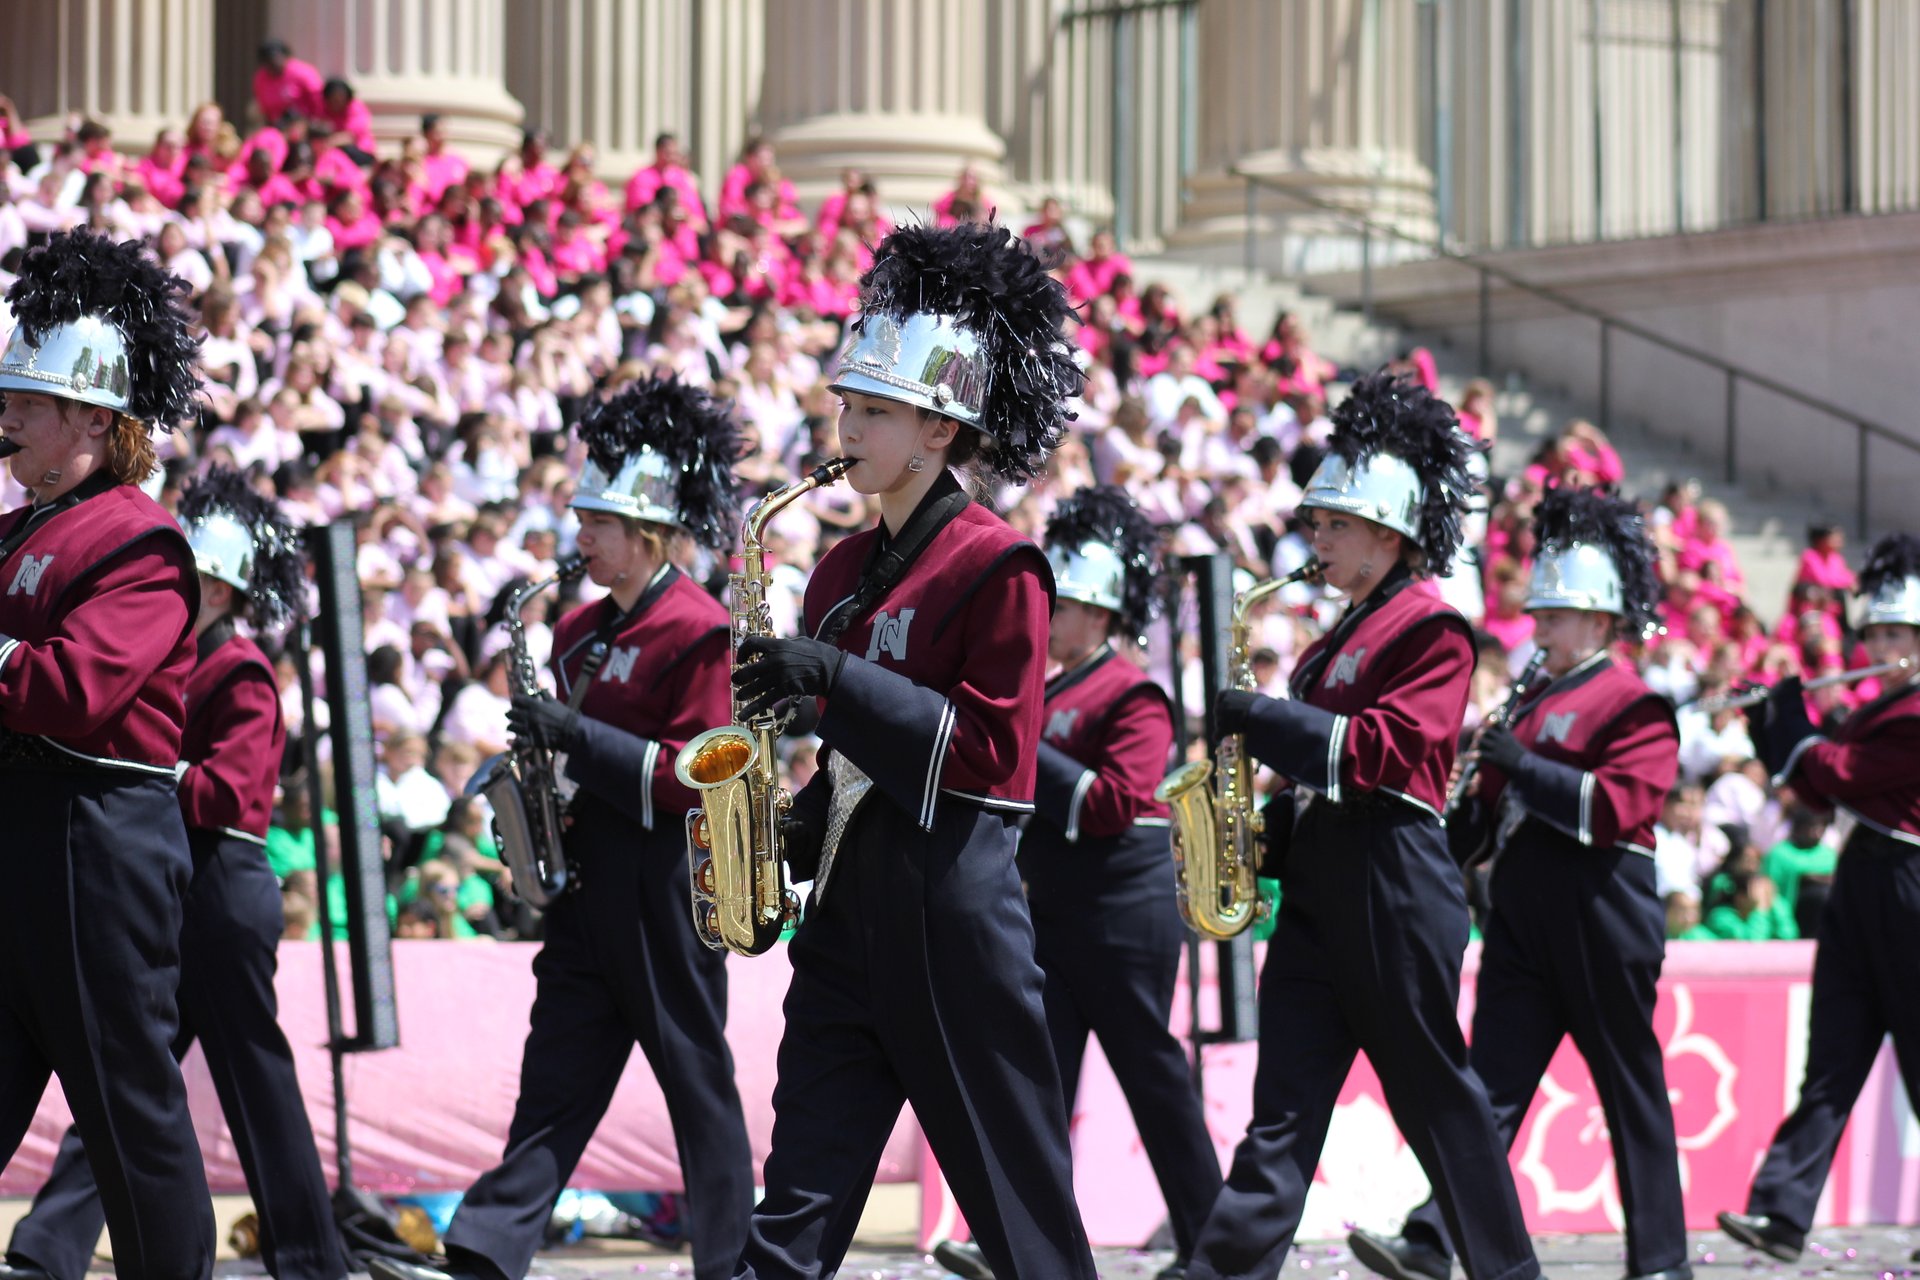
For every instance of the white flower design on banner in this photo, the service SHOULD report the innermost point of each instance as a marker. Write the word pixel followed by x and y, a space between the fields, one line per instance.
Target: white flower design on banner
pixel 1365 1167
pixel 1700 1085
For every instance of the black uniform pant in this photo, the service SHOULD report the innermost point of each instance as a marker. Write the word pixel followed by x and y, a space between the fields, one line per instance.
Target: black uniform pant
pixel 914 981
pixel 1110 971
pixel 89 964
pixel 620 964
pixel 228 938
pixel 1866 985
pixel 1574 947
pixel 1373 923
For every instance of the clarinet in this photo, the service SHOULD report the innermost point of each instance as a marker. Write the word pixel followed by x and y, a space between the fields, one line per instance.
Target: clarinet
pixel 1501 714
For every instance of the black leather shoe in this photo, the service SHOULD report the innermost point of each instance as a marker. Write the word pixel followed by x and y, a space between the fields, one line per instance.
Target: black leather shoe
pixel 394 1269
pixel 963 1258
pixel 1399 1258
pixel 1682 1272
pixel 1172 1271
pixel 1758 1231
pixel 23 1271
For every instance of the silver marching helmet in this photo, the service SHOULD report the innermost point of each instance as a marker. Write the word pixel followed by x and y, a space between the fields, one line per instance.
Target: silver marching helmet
pixel 925 360
pixel 1091 574
pixel 646 488
pixel 84 360
pixel 1581 576
pixel 1895 600
pixel 222 548
pixel 1383 489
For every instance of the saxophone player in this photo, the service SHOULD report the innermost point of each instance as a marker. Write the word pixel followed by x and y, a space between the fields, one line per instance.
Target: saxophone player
pixel 1572 786
pixel 913 972
pixel 639 673
pixel 1373 920
pixel 1095 856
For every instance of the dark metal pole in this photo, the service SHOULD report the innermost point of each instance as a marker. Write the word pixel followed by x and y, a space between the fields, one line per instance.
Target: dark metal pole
pixel 1366 271
pixel 322 873
pixel 1733 396
pixel 1598 124
pixel 1125 214
pixel 1849 193
pixel 1175 602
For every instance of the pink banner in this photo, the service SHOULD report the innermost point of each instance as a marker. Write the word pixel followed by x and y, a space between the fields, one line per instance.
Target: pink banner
pixel 432 1114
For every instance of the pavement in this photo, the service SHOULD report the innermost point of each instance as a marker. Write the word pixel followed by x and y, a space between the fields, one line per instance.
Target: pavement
pixel 884 1251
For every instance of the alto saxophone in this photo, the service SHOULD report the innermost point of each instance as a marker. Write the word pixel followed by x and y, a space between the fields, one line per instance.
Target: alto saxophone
pixel 741 900
pixel 520 783
pixel 1216 831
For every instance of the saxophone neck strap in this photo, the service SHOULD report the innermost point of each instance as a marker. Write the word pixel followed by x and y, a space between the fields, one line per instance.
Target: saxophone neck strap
pixel 892 557
pixel 616 622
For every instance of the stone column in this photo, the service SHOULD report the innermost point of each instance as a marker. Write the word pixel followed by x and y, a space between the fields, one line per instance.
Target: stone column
pixel 1320 96
pixel 137 66
pixel 610 72
pixel 897 90
pixel 408 57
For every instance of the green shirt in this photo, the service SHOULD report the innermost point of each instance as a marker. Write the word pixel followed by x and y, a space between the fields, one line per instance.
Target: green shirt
pixel 1786 863
pixel 291 851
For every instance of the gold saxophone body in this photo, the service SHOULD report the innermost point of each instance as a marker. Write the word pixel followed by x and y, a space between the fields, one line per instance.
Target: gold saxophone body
pixel 741 900
pixel 1217 828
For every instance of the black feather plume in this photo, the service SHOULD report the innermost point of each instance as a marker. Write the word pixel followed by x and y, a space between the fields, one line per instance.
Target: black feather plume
pixel 1568 515
pixel 276 589
pixel 1386 414
pixel 1895 556
pixel 1105 514
pixel 692 430
pixel 79 273
pixel 994 287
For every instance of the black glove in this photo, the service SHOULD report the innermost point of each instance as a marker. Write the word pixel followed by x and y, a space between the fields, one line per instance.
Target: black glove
pixel 800 842
pixel 771 671
pixel 1780 724
pixel 1499 748
pixel 544 721
pixel 1230 710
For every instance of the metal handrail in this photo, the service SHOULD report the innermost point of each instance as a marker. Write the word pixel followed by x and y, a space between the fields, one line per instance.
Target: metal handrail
pixel 1735 374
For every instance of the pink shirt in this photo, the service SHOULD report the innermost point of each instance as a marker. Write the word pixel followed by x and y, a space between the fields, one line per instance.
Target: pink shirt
pixel 646 184
pixel 362 232
pixel 336 171
pixel 279 189
pixel 536 183
pixel 164 181
pixel 298 88
pixel 1089 278
pixel 357 120
pixel 578 256
pixel 443 171
pixel 1826 569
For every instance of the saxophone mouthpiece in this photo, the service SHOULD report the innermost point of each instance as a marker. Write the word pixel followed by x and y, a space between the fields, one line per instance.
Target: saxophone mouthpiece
pixel 8 448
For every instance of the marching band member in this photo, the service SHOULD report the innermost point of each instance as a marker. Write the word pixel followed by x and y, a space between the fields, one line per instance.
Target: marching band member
pixel 1572 787
pixel 913 972
pixel 1866 971
pixel 1373 920
pixel 251 568
pixel 96 648
pixel 1096 861
pixel 639 672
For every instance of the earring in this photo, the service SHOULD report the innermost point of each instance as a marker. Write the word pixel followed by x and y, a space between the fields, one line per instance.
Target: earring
pixel 916 464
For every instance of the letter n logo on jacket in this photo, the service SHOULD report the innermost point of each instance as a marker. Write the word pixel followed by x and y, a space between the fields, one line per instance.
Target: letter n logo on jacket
pixel 889 635
pixel 27 578
pixel 1346 668
pixel 1556 728
pixel 1060 724
pixel 620 662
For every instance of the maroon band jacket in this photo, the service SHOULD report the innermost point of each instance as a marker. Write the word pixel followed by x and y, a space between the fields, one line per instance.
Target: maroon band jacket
pixel 1870 768
pixel 97 605
pixel 1381 712
pixel 943 686
pixel 663 681
pixel 1620 748
pixel 234 740
pixel 1104 747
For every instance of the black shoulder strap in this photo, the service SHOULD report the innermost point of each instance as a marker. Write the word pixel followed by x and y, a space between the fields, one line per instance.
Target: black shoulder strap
pixel 615 623
pixel 892 557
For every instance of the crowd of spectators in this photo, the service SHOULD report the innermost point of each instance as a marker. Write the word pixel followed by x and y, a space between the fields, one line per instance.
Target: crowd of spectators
pixel 398 337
